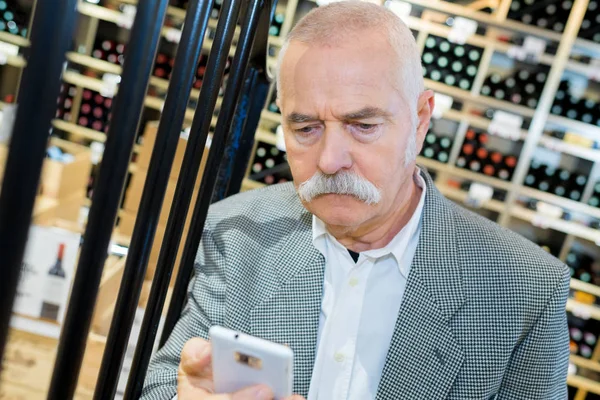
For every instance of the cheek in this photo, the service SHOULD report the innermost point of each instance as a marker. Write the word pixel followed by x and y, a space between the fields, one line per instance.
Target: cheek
pixel 303 163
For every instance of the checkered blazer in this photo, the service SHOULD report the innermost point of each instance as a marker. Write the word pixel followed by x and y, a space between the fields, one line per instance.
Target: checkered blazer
pixel 483 314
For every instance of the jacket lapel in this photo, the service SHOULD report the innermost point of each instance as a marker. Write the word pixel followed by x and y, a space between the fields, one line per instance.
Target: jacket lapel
pixel 424 357
pixel 290 314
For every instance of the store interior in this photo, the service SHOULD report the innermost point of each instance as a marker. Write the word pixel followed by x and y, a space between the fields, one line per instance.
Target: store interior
pixel 515 138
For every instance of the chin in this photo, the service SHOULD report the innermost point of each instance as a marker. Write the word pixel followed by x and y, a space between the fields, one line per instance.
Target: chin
pixel 340 210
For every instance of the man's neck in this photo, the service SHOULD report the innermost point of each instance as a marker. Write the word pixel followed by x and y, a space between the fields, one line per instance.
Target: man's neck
pixel 379 232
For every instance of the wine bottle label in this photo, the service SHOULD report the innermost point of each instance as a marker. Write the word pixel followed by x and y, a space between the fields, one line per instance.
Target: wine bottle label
pixel 55 288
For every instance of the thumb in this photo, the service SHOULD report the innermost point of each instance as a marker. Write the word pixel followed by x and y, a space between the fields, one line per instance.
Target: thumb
pixel 196 358
pixel 257 392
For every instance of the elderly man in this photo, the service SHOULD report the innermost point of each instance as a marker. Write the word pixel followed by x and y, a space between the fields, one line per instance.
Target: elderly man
pixel 381 287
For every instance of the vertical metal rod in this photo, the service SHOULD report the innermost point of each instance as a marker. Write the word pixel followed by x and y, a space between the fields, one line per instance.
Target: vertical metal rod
pixel 54 25
pixel 232 94
pixel 194 151
pixel 241 139
pixel 128 105
pixel 169 129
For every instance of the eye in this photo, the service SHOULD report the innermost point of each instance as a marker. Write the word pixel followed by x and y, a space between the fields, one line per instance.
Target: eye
pixel 366 127
pixel 306 129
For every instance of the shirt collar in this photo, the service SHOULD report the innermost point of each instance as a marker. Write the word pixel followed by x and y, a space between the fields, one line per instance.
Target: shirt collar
pixel 397 247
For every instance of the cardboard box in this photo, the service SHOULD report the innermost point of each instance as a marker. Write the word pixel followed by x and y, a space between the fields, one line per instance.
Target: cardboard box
pixel 145 154
pixel 62 180
pixel 136 188
pixel 126 225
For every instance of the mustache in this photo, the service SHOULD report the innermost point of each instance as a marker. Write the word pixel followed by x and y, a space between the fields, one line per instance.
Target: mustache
pixel 344 183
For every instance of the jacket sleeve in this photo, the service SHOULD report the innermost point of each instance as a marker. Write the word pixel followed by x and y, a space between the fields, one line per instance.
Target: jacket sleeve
pixel 205 307
pixel 537 369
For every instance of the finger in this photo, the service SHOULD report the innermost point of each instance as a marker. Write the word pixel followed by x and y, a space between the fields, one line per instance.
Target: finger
pixel 295 397
pixel 257 392
pixel 195 358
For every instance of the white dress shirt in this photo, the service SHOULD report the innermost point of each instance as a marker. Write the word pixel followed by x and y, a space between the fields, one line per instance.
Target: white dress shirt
pixel 359 310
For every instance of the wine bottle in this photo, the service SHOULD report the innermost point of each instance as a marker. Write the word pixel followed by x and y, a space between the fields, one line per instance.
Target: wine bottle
pixel 475 166
pixel 98 126
pixel 55 286
pixel 99 54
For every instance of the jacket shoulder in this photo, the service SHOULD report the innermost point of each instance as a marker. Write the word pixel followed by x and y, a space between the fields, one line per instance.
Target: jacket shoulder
pixel 254 221
pixel 486 246
pixel 264 204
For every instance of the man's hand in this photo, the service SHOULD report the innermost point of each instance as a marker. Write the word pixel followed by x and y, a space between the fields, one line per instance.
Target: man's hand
pixel 195 380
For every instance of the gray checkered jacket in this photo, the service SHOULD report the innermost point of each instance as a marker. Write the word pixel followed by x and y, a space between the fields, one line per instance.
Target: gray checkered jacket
pixel 483 314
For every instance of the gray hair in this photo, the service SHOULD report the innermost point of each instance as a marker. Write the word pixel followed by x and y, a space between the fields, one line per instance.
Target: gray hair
pixel 342 182
pixel 336 21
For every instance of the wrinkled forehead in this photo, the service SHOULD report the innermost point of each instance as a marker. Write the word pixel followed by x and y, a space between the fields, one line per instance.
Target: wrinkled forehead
pixel 357 66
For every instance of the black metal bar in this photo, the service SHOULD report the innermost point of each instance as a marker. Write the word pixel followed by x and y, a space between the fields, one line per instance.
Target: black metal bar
pixel 186 63
pixel 194 151
pixel 241 138
pixel 128 105
pixel 53 28
pixel 232 94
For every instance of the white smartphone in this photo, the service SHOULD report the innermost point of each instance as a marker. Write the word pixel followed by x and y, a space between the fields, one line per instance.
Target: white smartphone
pixel 240 360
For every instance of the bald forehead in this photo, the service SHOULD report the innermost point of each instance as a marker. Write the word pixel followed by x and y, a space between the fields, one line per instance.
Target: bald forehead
pixel 367 58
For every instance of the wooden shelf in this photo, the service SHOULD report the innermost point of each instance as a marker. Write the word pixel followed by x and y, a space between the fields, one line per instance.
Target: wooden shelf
pixel 271 116
pixel 588 130
pixel 569 204
pixel 477 99
pixel 568 227
pixel 451 170
pixel 103 13
pixel 15 61
pixel 265 136
pixel 14 39
pixel 94 63
pixel 576 284
pixel 74 129
pixel 568 148
pixel 474 40
pixel 585 363
pixel 75 78
pixel 172 11
pixel 485 18
pixel 577 307
pixel 249 184
pixel 157 104
pixel 588 45
pixel 462 196
pixel 474 121
pixel 583 383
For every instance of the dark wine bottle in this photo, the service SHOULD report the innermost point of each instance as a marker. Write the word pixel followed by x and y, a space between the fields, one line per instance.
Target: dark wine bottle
pixel 55 286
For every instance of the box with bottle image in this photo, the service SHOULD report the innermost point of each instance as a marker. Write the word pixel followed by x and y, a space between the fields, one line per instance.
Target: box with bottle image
pixel 47 272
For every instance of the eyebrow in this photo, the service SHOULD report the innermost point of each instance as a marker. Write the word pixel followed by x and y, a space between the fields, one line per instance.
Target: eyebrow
pixel 363 113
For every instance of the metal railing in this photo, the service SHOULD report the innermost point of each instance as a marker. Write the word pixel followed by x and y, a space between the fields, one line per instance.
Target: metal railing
pixel 245 93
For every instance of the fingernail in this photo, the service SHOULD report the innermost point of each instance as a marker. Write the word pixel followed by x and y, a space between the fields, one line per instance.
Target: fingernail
pixel 262 393
pixel 204 352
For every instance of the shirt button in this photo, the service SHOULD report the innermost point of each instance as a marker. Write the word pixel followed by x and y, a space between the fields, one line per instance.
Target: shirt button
pixel 339 357
pixel 353 282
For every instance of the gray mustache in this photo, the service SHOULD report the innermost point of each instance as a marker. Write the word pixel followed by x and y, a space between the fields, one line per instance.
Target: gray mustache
pixel 344 183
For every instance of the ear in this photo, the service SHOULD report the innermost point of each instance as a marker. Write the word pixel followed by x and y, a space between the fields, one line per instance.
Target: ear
pixel 425 106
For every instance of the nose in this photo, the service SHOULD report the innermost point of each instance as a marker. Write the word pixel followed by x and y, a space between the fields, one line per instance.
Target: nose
pixel 335 151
